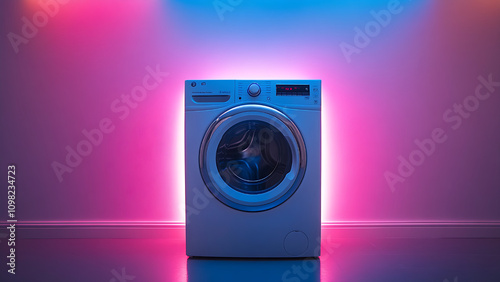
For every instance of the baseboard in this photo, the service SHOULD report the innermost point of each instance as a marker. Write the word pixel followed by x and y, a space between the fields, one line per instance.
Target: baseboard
pixel 340 229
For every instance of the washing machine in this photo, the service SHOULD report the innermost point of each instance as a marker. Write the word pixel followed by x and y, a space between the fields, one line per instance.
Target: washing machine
pixel 253 168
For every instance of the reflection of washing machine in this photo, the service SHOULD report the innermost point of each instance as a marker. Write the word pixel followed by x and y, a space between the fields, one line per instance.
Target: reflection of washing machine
pixel 253 168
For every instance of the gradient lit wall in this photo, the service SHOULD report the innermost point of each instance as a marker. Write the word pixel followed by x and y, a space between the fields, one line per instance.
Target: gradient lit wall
pixel 395 75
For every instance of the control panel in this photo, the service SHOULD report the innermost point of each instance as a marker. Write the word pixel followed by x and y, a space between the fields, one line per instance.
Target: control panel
pixel 289 93
pixel 298 92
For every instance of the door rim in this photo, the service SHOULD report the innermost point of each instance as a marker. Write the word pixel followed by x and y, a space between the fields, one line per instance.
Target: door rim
pixel 244 201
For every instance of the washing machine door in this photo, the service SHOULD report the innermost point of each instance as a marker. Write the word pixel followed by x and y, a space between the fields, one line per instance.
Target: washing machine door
pixel 252 158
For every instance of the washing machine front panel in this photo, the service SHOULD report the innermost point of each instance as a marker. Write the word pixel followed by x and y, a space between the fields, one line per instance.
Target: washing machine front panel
pixel 252 158
pixel 253 168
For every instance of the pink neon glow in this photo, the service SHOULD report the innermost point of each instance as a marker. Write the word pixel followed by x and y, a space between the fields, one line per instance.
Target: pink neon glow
pixel 394 91
pixel 180 179
pixel 329 168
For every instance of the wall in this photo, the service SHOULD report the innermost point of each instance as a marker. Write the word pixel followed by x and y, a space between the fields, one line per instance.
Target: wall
pixel 72 67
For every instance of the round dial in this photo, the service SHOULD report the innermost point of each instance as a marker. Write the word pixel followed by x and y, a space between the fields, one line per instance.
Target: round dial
pixel 253 90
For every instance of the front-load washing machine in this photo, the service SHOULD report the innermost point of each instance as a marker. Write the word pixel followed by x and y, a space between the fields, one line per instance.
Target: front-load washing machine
pixel 253 168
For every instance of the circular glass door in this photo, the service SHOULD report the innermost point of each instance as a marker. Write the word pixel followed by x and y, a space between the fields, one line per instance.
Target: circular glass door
pixel 252 158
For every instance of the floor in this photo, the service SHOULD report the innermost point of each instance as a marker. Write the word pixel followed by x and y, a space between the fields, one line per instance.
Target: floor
pixel 342 259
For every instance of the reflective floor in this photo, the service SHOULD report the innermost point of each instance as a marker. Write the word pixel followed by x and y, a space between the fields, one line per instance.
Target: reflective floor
pixel 164 259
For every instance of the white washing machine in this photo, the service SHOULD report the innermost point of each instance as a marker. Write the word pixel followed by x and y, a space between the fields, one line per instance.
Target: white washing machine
pixel 253 168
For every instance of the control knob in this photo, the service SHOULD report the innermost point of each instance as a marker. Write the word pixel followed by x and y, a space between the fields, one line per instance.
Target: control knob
pixel 253 90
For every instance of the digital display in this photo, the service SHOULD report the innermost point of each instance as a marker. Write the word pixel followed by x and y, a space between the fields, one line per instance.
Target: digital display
pixel 292 90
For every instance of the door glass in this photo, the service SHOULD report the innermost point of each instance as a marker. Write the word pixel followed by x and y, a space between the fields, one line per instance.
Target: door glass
pixel 253 157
